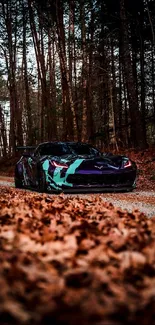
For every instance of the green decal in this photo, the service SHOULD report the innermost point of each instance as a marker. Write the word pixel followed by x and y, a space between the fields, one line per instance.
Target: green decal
pixel 71 170
pixel 64 160
pixel 45 168
pixel 46 164
pixel 30 162
pixel 49 178
pixel 57 180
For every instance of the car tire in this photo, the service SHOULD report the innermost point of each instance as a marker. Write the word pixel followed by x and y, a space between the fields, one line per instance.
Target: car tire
pixel 42 182
pixel 18 182
pixel 17 178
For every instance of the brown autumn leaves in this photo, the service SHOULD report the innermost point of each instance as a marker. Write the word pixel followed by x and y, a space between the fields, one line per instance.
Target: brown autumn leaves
pixel 71 261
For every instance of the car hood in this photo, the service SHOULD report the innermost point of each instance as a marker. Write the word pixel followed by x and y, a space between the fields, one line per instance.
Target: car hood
pixel 91 161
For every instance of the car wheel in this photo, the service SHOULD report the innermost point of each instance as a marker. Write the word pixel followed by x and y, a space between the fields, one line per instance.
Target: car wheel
pixel 42 182
pixel 18 182
pixel 18 178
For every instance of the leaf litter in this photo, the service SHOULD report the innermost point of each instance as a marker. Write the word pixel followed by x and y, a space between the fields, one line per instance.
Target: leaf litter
pixel 73 260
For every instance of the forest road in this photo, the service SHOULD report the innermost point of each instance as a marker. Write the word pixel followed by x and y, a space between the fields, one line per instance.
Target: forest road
pixel 144 201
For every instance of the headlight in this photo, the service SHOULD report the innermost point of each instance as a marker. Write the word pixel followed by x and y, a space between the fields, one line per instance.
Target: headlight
pixel 59 165
pixel 127 163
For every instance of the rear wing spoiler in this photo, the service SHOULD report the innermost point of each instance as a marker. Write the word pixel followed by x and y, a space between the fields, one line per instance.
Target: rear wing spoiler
pixel 25 148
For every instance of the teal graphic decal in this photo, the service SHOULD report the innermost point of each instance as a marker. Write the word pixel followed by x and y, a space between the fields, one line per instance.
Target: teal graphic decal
pixel 57 180
pixel 30 161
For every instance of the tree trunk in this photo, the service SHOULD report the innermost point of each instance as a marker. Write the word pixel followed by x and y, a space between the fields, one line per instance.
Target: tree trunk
pixel 52 118
pixel 26 81
pixel 120 91
pixel 72 62
pixel 68 104
pixel 142 64
pixel 38 39
pixel 3 133
pixel 137 134
pixel 152 54
pixel 89 98
pixel 16 132
pixel 113 92
pixel 84 72
pixel 127 137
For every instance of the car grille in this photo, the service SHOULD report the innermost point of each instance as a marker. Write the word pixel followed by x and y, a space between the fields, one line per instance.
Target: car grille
pixel 77 179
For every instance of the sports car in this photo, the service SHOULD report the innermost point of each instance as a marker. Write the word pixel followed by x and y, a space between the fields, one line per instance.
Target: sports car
pixel 74 167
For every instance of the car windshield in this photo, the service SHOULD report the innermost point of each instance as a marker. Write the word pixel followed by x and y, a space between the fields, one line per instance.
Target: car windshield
pixel 60 149
pixel 83 149
pixel 54 149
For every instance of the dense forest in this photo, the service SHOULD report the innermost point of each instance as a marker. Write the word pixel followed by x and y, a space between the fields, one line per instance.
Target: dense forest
pixel 77 70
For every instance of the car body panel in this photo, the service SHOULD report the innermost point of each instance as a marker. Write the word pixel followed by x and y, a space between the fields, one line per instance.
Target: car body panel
pixel 75 172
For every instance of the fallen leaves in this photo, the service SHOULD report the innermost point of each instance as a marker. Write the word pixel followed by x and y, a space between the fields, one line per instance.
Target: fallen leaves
pixel 145 161
pixel 74 261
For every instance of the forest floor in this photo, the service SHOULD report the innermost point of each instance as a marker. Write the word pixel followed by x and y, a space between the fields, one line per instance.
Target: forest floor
pixel 73 260
pixel 78 259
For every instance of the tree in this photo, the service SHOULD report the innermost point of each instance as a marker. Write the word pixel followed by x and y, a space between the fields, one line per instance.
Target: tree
pixel 137 135
pixel 10 45
pixel 92 75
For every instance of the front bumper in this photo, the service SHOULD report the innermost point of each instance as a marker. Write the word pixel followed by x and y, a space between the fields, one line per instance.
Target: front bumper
pixel 100 182
pixel 98 189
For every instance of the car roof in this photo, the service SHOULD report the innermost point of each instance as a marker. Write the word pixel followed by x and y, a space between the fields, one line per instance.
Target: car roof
pixel 62 142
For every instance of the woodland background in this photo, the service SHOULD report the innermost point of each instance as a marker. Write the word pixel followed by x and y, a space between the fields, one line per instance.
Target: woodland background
pixel 77 70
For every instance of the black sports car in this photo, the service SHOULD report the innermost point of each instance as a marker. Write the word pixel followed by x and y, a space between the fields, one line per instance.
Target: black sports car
pixel 74 167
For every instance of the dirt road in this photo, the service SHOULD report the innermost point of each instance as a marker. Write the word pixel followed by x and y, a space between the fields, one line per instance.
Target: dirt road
pixel 143 201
